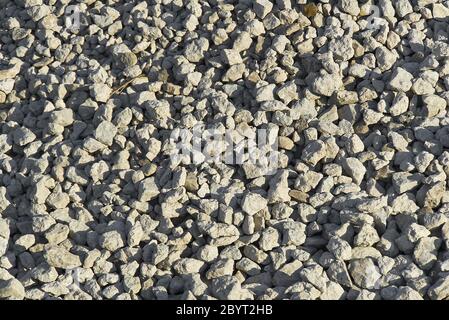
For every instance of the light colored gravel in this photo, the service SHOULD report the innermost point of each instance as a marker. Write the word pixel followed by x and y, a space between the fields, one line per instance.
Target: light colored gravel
pixel 93 204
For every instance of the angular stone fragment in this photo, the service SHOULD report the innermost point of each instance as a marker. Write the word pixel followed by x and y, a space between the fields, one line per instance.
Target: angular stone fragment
pixel 234 73
pixel 403 7
pixel 44 273
pixel 105 133
pixel 23 136
pixel 326 84
pixel 221 234
pixel 404 203
pixel 262 7
pixel 341 49
pixel 339 248
pixel 64 117
pixel 187 265
pixel 148 189
pixel 207 253
pixel 11 289
pixel 123 56
pixel 425 252
pixel 349 6
pixel 338 272
pixel 5 143
pixel 401 80
pixel 440 11
pixel 194 51
pixel 430 196
pixel 433 105
pixel 314 152
pixel 288 274
pixel 333 291
pixel 242 42
pixel 440 290
pixel 365 273
pixel 269 239
pixel 4 202
pixel 57 233
pixel 366 237
pixel 288 92
pixel 253 203
pixel 100 92
pixel 354 168
pixel 265 93
pixel 404 181
pixel 279 189
pixel 112 240
pixel 231 56
pixel 400 104
pixel 59 257
pixel 3 245
pixel 222 267
pixel 315 275
pixel 407 293
pixel 415 232
pixel 293 233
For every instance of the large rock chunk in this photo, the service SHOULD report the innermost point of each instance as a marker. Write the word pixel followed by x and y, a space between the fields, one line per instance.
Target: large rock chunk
pixel 433 105
pixel 404 181
pixel 365 273
pixel 62 117
pixel 148 189
pixel 338 272
pixel 222 267
pixel 354 168
pixel 288 274
pixel 326 84
pixel 339 248
pixel 262 8
pixel 440 290
pixel 188 265
pixel 279 189
pixel 269 239
pixel 314 152
pixel 401 80
pixel 342 49
pixel 123 56
pixel 105 133
pixel 12 70
pixel 23 136
pixel 253 203
pixel 403 7
pixel 349 6
pixel 425 252
pixel 194 51
pixel 112 240
pixel 430 196
pixel 221 234
pixel 59 257
pixel 11 289
pixel 5 143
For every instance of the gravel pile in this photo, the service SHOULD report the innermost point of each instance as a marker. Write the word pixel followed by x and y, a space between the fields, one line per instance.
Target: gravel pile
pixel 93 205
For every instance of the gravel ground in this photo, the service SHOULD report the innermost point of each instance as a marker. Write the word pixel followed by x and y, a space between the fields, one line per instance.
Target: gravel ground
pixel 97 203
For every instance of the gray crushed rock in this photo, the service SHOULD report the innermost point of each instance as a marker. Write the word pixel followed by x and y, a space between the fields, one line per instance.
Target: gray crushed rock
pixel 356 208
